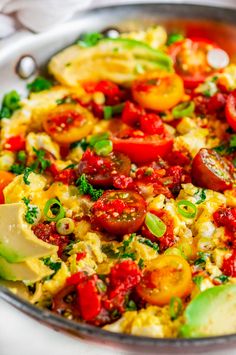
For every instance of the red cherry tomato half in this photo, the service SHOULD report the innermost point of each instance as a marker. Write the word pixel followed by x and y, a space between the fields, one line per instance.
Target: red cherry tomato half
pixel 230 110
pixel 119 212
pixel 143 150
pixel 15 143
pixel 211 171
pixel 131 113
pixel 190 60
pixel 100 170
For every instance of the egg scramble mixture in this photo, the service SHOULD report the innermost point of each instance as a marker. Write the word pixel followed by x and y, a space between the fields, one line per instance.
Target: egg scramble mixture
pixel 117 186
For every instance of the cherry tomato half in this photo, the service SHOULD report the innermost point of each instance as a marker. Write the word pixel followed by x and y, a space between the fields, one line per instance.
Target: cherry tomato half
pixel 143 150
pixel 5 179
pixel 230 110
pixel 15 143
pixel 100 170
pixel 69 123
pixel 119 212
pixel 211 171
pixel 165 277
pixel 158 90
pixel 190 60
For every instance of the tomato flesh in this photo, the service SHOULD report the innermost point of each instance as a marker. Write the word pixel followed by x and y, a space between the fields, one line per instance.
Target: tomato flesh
pixel 15 143
pixel 190 60
pixel 101 171
pixel 211 171
pixel 119 212
pixel 230 110
pixel 143 150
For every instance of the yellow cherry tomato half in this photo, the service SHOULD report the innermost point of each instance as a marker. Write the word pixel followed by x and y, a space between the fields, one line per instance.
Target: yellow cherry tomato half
pixel 165 277
pixel 69 123
pixel 158 90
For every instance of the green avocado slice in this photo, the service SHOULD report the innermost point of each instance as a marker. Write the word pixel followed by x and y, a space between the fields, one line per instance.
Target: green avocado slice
pixel 120 60
pixel 211 313
pixel 30 270
pixel 17 241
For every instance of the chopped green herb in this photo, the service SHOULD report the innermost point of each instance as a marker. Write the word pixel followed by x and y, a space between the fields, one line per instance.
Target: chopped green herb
pixel 176 307
pixel 109 251
pixel 174 37
pixel 89 39
pixel 232 142
pixel 222 278
pixel 65 100
pixel 21 156
pixel 141 263
pixel 31 213
pixel 55 266
pixel 149 243
pixel 68 248
pixel 40 164
pixel 17 169
pixel 198 280
pixel 85 188
pixel 123 252
pixel 39 84
pixel 201 260
pixel 201 195
pixel 27 172
pixel 10 103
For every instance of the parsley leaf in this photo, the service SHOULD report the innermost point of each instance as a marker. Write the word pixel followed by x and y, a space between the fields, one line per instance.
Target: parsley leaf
pixel 85 188
pixel 31 213
pixel 27 172
pixel 10 103
pixel 39 84
pixel 89 39
pixel 141 263
pixel 149 243
pixel 40 164
pixel 55 266
pixel 174 37
pixel 82 143
pixel 17 169
pixel 222 278
pixel 201 260
pixel 232 142
pixel 201 194
pixel 130 306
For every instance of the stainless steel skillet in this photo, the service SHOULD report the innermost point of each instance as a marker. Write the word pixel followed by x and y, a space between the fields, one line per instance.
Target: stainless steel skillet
pixel 216 22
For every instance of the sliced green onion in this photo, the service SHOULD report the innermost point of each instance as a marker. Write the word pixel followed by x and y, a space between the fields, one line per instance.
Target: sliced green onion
pixel 53 210
pixel 184 109
pixel 103 147
pixel 65 226
pixel 110 111
pixel 187 209
pixel 98 137
pixel 176 307
pixel 155 225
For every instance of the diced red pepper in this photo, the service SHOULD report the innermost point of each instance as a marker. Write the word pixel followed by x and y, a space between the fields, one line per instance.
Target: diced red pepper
pixel 229 265
pixel 132 113
pixel 150 123
pixel 67 176
pixel 89 299
pixel 80 256
pixel 15 143
pixel 76 278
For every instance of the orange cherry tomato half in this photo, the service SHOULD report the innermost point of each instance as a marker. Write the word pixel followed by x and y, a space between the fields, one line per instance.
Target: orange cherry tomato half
pixel 190 60
pixel 230 110
pixel 5 179
pixel 165 277
pixel 69 123
pixel 158 90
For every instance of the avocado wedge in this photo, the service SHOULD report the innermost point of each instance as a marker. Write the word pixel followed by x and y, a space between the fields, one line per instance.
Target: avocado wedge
pixel 211 313
pixel 17 241
pixel 120 60
pixel 31 270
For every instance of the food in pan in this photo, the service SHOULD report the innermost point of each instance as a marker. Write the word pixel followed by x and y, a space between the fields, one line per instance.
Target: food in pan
pixel 117 185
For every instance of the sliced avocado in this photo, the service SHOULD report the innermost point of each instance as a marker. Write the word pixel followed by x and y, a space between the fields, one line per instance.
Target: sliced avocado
pixel 120 60
pixel 211 313
pixel 17 241
pixel 30 270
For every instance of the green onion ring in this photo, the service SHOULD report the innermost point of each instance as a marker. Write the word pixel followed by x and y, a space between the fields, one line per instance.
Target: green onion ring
pixel 184 109
pixel 47 209
pixel 176 307
pixel 182 205
pixel 155 225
